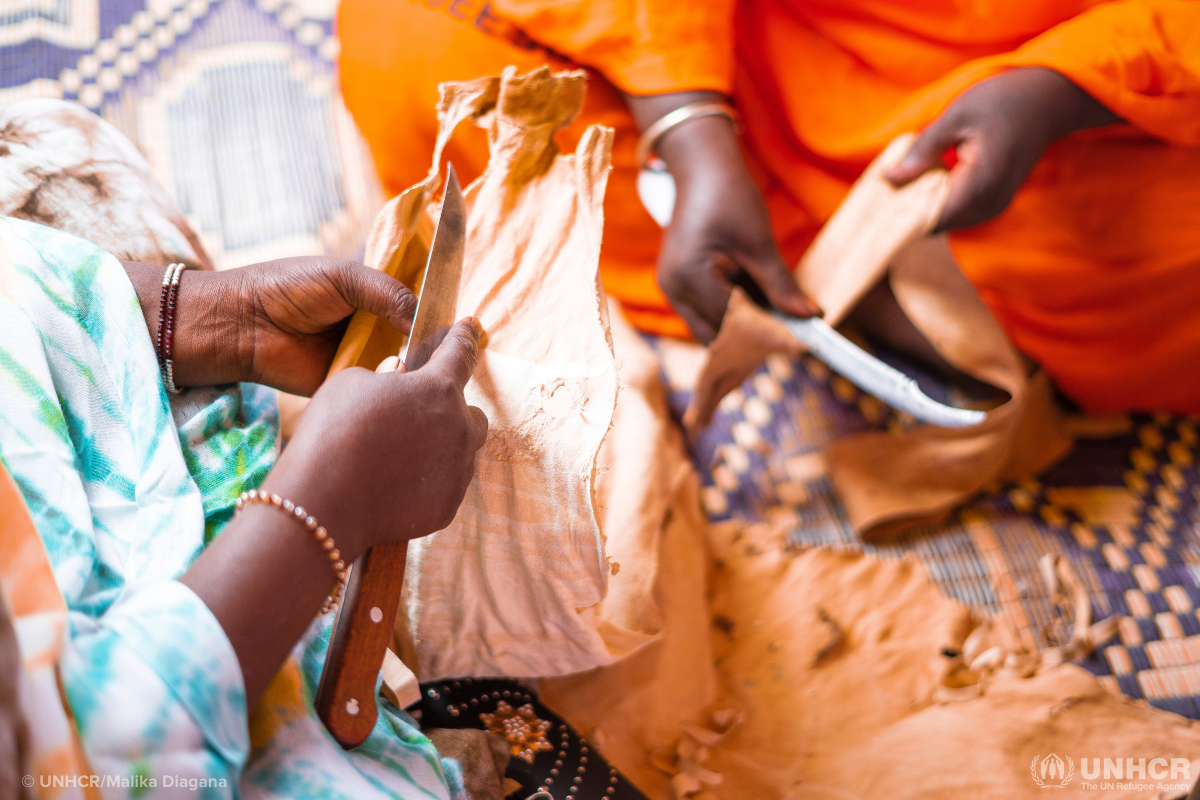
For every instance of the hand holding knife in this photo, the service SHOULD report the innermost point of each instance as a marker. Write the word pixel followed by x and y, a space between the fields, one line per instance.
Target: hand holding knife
pixel 345 699
pixel 657 190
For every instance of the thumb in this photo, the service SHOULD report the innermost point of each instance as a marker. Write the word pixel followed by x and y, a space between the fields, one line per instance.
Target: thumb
pixel 926 152
pixel 458 352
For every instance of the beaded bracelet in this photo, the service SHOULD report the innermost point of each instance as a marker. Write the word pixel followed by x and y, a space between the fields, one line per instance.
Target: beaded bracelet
pixel 322 536
pixel 166 325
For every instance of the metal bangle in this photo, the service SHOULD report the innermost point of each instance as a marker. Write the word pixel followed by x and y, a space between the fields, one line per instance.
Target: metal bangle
pixel 653 135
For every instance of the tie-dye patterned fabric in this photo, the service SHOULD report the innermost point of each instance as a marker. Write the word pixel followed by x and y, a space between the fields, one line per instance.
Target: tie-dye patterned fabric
pixel 123 506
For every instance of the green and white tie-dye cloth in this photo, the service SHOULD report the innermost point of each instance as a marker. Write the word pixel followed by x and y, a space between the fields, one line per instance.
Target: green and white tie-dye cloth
pixel 125 495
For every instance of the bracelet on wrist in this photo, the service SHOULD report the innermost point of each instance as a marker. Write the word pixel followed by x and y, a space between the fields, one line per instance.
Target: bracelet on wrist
pixel 166 325
pixel 340 573
pixel 653 135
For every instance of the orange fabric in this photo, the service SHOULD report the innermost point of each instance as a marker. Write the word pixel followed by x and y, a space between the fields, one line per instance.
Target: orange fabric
pixel 643 47
pixel 396 52
pixel 1094 271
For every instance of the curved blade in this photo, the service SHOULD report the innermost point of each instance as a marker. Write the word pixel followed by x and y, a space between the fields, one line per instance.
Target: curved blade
pixel 443 272
pixel 873 376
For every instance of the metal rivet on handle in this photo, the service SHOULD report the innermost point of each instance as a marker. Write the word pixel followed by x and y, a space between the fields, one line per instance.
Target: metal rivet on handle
pixel 376 614
pixel 352 707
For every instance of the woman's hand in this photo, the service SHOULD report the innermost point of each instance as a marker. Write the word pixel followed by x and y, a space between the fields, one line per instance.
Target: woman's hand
pixel 377 457
pixel 719 230
pixel 277 323
pixel 295 310
pixel 999 129
pixel 405 441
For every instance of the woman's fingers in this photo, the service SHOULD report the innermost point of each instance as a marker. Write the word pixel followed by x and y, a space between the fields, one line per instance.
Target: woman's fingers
pixel 480 421
pixel 390 364
pixel 378 293
pixel 780 287
pixel 998 128
pixel 926 152
pixel 979 187
pixel 972 197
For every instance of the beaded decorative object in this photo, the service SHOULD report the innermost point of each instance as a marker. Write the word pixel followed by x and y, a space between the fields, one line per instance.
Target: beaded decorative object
pixel 550 757
pixel 524 731
pixel 322 536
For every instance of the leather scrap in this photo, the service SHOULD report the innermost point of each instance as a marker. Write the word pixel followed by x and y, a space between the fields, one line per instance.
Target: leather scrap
pixel 511 586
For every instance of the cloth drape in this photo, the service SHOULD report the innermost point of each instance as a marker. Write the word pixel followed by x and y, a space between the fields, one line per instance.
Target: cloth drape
pixel 123 490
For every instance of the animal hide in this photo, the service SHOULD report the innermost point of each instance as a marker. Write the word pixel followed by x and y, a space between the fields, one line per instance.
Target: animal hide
pixel 510 588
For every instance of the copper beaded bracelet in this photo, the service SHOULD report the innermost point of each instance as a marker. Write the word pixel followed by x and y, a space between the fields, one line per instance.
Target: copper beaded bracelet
pixel 323 538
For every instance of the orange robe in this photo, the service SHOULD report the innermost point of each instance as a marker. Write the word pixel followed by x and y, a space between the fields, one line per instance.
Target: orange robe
pixel 1094 270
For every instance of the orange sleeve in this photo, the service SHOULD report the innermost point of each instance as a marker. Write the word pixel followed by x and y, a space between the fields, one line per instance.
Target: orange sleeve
pixel 1140 58
pixel 641 46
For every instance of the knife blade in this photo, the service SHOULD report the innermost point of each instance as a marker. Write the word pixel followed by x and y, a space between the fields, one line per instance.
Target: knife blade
pixel 657 192
pixel 873 376
pixel 345 699
pixel 443 273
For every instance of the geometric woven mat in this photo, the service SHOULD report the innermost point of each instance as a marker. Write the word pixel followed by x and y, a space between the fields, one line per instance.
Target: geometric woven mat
pixel 234 103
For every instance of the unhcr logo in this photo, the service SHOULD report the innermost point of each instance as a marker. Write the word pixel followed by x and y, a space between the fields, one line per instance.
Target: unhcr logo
pixel 1121 774
pixel 1052 772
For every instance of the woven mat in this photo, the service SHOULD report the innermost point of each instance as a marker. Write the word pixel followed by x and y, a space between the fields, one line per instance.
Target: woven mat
pixel 235 105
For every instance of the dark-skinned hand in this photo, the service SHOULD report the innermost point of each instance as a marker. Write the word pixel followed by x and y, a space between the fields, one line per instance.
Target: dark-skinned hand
pixel 719 229
pixel 998 129
pixel 377 457
pixel 410 436
pixel 277 323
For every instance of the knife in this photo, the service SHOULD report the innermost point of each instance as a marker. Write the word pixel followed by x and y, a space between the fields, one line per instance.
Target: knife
pixel 363 627
pixel 657 192
pixel 873 376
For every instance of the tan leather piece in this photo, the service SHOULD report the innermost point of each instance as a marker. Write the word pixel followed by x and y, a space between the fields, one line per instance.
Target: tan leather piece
pixel 512 586
pixel 829 669
pixel 888 482
pixel 862 722
pixel 649 496
pixel 504 590
pixel 637 470
pixel 399 241
pixel 747 337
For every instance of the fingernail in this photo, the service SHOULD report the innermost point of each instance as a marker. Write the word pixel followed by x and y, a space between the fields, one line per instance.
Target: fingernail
pixel 475 326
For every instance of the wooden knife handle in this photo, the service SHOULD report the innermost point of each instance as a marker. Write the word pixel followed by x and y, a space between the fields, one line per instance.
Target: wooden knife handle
pixel 361 633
